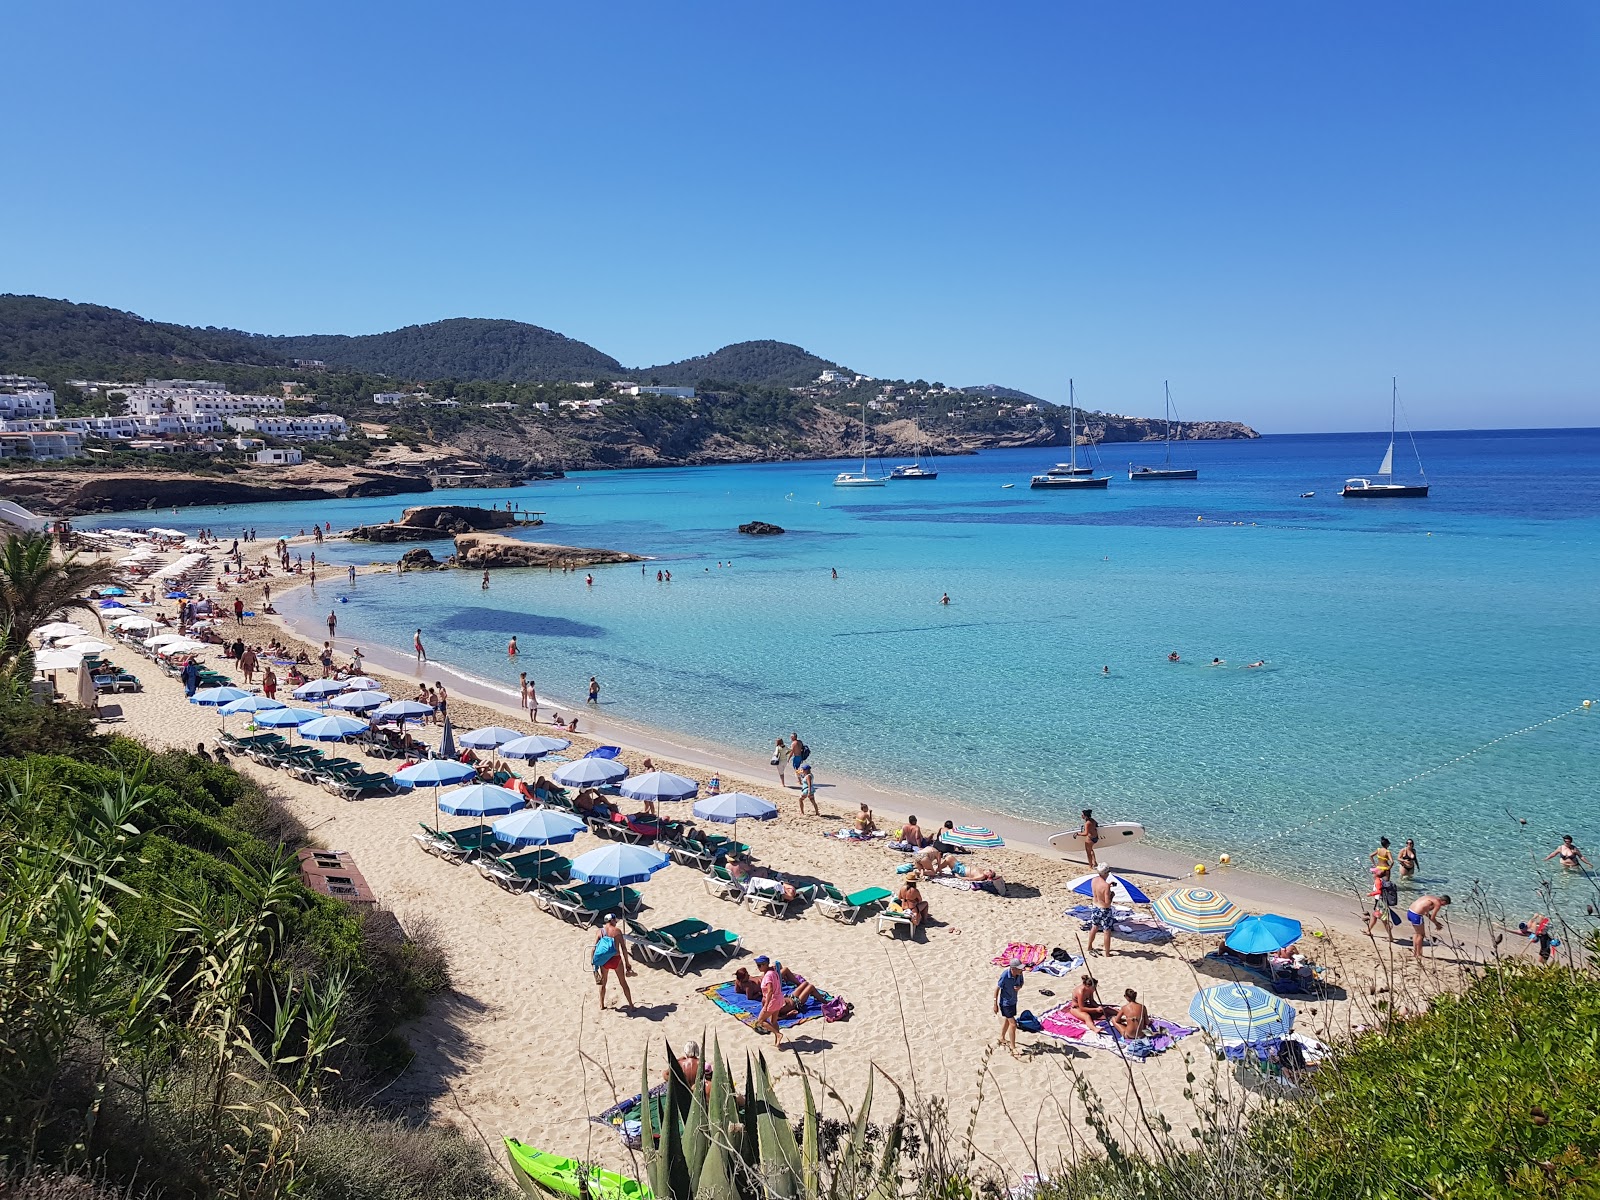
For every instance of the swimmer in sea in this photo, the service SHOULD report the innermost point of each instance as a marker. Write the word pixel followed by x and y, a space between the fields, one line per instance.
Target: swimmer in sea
pixel 1217 662
pixel 945 599
pixel 1173 657
pixel 836 572
pixel 1260 662
pixel 1105 670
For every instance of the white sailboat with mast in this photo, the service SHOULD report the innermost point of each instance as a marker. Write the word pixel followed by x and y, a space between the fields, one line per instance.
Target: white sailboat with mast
pixel 1069 474
pixel 863 478
pixel 1166 470
pixel 1382 486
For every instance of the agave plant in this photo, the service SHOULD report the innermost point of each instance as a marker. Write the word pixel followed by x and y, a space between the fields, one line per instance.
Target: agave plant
pixel 714 1141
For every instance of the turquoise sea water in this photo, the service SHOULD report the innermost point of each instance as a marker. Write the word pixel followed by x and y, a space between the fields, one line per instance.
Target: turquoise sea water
pixel 1398 635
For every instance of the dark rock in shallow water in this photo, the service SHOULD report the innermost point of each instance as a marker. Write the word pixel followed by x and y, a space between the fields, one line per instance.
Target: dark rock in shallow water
pixel 420 559
pixel 395 533
pixel 760 528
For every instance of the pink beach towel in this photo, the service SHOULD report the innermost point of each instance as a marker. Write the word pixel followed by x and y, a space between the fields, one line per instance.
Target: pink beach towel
pixel 1062 1023
pixel 1030 954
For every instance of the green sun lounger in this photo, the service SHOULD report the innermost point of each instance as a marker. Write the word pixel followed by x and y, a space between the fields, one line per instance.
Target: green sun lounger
pixel 681 942
pixel 522 872
pixel 457 845
pixel 587 902
pixel 831 902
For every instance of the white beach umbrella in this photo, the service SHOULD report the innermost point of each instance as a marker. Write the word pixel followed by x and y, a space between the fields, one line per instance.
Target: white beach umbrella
pixel 59 629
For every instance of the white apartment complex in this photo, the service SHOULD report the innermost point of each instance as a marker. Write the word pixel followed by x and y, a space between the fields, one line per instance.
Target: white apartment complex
pixel 155 425
pixel 24 398
pixel 41 446
pixel 319 427
pixel 192 397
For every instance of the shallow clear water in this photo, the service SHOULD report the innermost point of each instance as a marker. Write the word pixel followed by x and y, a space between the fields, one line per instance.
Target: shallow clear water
pixel 1398 635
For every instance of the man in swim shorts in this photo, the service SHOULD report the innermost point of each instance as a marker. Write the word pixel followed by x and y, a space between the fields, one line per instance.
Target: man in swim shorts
pixel 1425 908
pixel 1100 921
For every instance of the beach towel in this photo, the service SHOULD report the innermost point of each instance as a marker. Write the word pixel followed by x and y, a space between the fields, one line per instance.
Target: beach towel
pixel 1030 954
pixel 624 1116
pixel 1061 1023
pixel 726 997
pixel 1122 923
pixel 1060 968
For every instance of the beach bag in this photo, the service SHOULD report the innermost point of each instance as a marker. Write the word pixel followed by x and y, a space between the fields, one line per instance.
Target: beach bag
pixel 1388 893
pixel 836 1009
pixel 604 951
pixel 1029 1023
pixel 805 752
pixel 774 759
pixel 1060 955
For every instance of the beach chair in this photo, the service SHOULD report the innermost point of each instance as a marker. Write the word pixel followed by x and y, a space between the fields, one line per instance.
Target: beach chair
pixel 721 884
pixel 621 830
pixel 587 902
pixel 365 785
pixel 831 902
pixel 765 896
pixel 524 872
pixel 690 851
pixel 680 943
pixel 455 845
pixel 893 921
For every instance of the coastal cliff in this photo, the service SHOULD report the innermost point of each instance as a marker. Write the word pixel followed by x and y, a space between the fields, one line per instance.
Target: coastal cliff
pixel 68 492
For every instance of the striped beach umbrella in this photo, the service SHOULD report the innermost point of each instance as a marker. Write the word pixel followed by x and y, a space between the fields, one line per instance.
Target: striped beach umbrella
pixel 280 718
pixel 251 704
pixel 402 710
pixel 1127 890
pixel 973 837
pixel 362 683
pixel 332 728
pixel 433 772
pixel 1197 910
pixel 731 807
pixel 216 697
pixel 1241 1011
pixel 317 689
pixel 358 701
pixel 489 737
pixel 481 800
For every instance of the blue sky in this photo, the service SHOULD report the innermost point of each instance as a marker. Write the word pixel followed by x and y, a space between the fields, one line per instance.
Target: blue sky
pixel 1275 206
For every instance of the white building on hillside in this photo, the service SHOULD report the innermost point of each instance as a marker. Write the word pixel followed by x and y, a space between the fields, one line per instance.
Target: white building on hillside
pixel 281 456
pixel 192 401
pixel 320 427
pixel 41 446
pixel 24 398
pixel 682 393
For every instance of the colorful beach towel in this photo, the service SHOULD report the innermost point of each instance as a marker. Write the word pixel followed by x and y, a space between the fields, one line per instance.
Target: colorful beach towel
pixel 625 1118
pixel 1030 954
pixel 1060 968
pixel 731 1001
pixel 1145 932
pixel 1062 1023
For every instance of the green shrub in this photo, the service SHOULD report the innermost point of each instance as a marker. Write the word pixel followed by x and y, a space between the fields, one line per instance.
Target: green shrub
pixel 353 1156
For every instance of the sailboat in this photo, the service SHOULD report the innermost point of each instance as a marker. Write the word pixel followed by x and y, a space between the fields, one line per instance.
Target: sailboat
pixel 1069 474
pixel 1383 486
pixel 1166 470
pixel 863 479
pixel 914 469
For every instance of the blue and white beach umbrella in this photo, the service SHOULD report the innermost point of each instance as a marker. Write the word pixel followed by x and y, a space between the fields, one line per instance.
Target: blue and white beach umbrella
pixel 362 683
pixel 358 701
pixel 318 688
pixel 589 772
pixel 1241 1011
pixel 1126 890
pixel 250 704
pixel 216 697
pixel 481 800
pixel 729 807
pixel 332 728
pixel 281 718
pixel 403 710
pixel 1264 934
pixel 660 785
pixel 618 865
pixel 434 772
pixel 535 745
pixel 537 827
pixel 489 737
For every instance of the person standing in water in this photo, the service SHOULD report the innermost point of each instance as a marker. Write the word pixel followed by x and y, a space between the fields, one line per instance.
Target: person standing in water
pixel 1571 857
pixel 484 586
pixel 422 655
pixel 1408 859
pixel 594 690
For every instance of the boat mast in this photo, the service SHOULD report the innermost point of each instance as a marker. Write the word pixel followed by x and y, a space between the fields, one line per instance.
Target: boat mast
pixel 1072 426
pixel 1166 387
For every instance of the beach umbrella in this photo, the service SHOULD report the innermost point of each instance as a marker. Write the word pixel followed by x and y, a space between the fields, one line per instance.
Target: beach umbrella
pixel 533 746
pixel 60 629
pixel 177 595
pixel 161 639
pixel 109 614
pixel 134 622
pixel 434 772
pixel 447 740
pixel 537 827
pixel 318 688
pixel 113 591
pixel 216 697
pixel 56 660
pixel 1197 910
pixel 358 701
pixel 1264 934
pixel 589 772
pixel 731 807
pixel 489 737
pixel 103 604
pixel 181 646
pixel 363 683
pixel 481 800
pixel 332 728
pixel 89 645
pixel 282 718
pixel 973 837
pixel 400 710
pixel 250 704
pixel 1131 892
pixel 618 865
pixel 660 785
pixel 1241 1011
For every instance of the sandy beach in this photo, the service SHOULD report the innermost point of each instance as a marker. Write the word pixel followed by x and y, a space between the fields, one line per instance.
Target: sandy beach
pixel 520 1048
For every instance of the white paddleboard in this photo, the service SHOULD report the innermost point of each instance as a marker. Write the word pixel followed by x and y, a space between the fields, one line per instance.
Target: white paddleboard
pixel 1116 833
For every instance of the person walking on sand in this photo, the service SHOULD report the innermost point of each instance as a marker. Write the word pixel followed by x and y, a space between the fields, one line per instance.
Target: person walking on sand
pixel 610 953
pixel 1384 897
pixel 808 791
pixel 269 685
pixel 238 609
pixel 1089 834
pixel 422 655
pixel 1005 1003
pixel 1424 908
pixel 511 647
pixel 771 999
pixel 779 753
pixel 1100 895
pixel 594 690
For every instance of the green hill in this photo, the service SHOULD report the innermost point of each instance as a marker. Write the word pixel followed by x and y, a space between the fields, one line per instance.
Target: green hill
pixel 458 348
pixel 775 364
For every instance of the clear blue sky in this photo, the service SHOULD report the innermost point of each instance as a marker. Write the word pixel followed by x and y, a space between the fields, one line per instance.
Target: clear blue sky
pixel 1276 206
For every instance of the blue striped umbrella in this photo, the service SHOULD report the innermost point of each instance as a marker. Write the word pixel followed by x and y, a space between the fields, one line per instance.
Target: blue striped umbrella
pixel 1131 892
pixel 489 737
pixel 730 807
pixel 317 689
pixel 481 800
pixel 332 728
pixel 1264 934
pixel 1242 1011
pixel 1197 910
pixel 358 701
pixel 280 718
pixel 533 746
pixel 216 697
pixel 250 704
pixel 589 772
pixel 618 865
pixel 660 785
pixel 537 827
pixel 434 772
pixel 974 837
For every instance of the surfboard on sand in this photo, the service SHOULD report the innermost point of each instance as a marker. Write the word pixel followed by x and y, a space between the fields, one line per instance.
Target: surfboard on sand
pixel 1116 833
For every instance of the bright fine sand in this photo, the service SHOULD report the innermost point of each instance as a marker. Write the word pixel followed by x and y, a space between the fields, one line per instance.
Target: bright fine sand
pixel 519 1046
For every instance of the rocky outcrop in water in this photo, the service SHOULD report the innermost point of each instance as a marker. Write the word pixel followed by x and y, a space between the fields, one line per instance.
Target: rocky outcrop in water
pixel 489 550
pixel 419 559
pixel 760 529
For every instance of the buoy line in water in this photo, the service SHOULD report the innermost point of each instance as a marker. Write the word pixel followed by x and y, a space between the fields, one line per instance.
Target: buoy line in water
pixel 1420 775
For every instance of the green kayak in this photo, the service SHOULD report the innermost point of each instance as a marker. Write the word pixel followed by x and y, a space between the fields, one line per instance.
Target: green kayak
pixel 541 1174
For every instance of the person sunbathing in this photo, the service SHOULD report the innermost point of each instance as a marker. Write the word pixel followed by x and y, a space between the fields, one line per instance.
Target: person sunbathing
pixel 746 984
pixel 1086 1004
pixel 689 1064
pixel 864 822
pixel 1132 1020
pixel 803 990
pixel 911 902
pixel 930 861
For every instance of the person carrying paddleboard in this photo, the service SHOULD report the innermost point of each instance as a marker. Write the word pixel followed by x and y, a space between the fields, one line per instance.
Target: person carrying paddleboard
pixel 1089 834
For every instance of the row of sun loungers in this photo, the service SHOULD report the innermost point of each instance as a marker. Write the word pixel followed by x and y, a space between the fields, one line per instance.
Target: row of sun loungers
pixel 340 776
